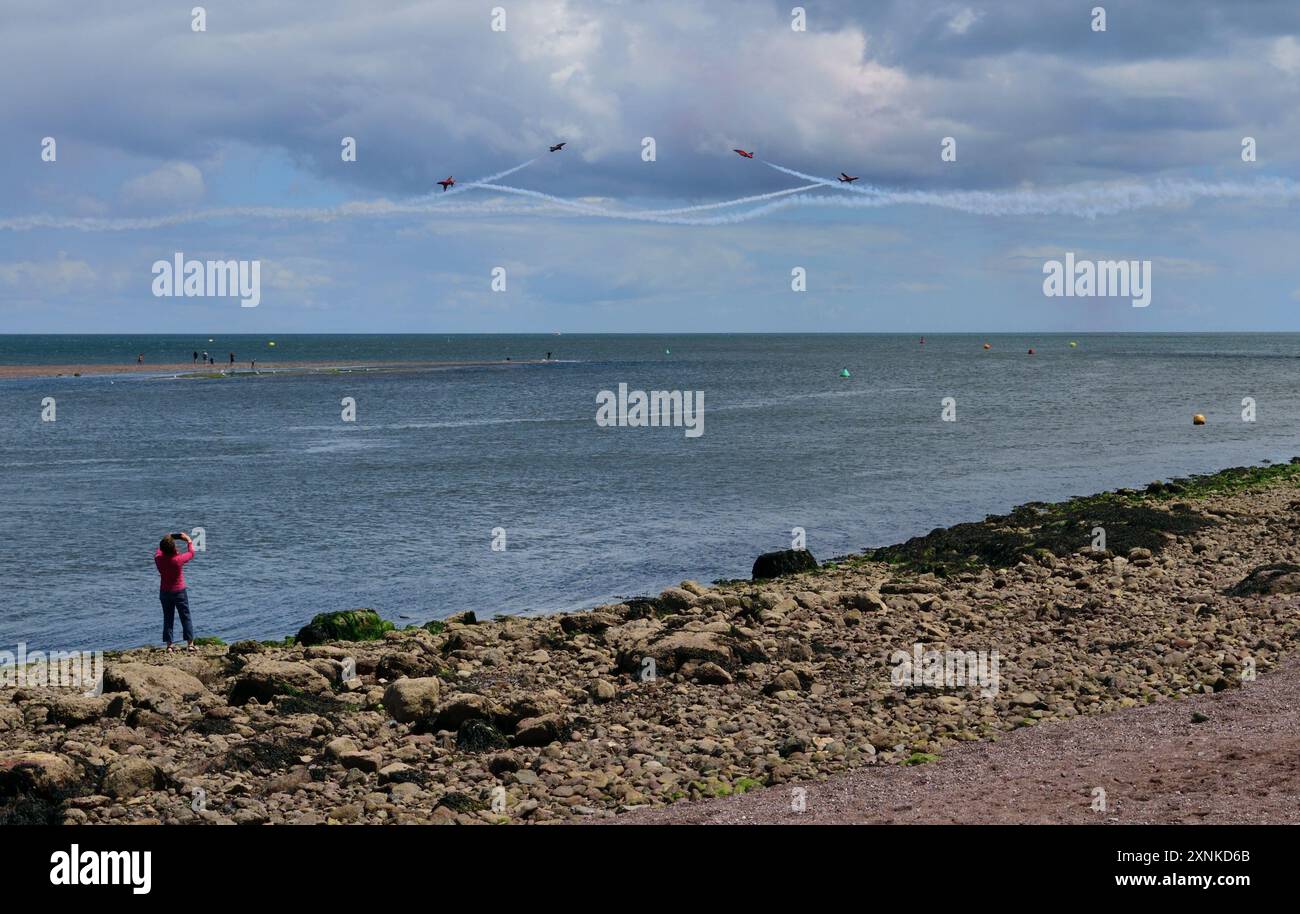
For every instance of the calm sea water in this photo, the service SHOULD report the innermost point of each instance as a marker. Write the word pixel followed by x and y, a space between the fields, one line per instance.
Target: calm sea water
pixel 306 513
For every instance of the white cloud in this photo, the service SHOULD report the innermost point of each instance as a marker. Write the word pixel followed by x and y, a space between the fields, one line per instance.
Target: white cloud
pixel 59 275
pixel 175 184
pixel 962 20
pixel 1285 55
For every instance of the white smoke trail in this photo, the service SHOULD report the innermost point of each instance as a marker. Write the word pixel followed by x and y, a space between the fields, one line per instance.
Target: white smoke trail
pixel 827 182
pixel 648 215
pixel 440 194
pixel 370 209
pixel 738 201
pixel 1086 201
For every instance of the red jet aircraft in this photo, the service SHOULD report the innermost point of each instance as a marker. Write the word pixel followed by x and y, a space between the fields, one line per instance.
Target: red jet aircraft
pixel 847 179
pixel 741 152
pixel 448 183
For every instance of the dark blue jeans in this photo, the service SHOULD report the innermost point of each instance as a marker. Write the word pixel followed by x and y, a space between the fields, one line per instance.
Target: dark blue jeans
pixel 174 601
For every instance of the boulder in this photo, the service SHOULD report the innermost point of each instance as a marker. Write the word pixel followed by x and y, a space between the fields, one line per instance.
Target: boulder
pixel 460 707
pixel 399 773
pixel 11 717
pixel 705 673
pixel 783 562
pixel 539 731
pixel 395 665
pixel 367 761
pixel 152 686
pixel 1279 577
pixel 130 775
pixel 587 623
pixel 340 746
pixel 45 774
pixel 675 599
pixel 75 710
pixel 263 679
pixel 865 601
pixel 601 691
pixel 785 681
pixel 409 700
pixel 347 625
pixel 672 650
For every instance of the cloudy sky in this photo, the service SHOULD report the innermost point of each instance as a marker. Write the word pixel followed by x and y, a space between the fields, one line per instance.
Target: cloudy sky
pixel 1053 122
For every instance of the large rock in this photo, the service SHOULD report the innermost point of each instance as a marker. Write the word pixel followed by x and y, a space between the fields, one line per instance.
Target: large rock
pixel 592 622
pixel 410 700
pixel 675 599
pixel 539 731
pixel 152 686
pixel 633 635
pixel 396 664
pixel 264 679
pixel 673 650
pixel 461 707
pixel 1280 577
pixel 129 775
pixel 347 625
pixel 11 717
pixel 75 710
pixel 45 774
pixel 786 561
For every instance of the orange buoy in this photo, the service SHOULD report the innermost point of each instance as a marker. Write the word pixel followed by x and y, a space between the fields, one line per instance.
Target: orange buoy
pixel 1198 419
pixel 987 346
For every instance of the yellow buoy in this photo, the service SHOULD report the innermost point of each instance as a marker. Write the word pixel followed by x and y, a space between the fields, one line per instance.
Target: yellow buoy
pixel 1198 419
pixel 1073 344
pixel 271 343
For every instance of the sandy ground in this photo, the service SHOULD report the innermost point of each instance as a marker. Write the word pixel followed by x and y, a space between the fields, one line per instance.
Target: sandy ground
pixel 187 368
pixel 1155 764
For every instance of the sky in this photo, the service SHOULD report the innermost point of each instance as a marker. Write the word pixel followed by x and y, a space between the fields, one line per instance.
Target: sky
pixel 226 143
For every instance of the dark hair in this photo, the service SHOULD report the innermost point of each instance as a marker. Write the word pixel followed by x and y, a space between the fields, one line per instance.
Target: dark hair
pixel 168 545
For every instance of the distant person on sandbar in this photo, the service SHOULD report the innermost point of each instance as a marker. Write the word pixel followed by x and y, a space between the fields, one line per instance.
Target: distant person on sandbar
pixel 139 360
pixel 232 358
pixel 172 592
pixel 196 357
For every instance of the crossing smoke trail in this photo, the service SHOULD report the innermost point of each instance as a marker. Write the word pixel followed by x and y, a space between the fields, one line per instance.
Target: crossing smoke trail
pixel 1086 201
pixel 827 182
pixel 650 215
pixel 1083 201
pixel 496 177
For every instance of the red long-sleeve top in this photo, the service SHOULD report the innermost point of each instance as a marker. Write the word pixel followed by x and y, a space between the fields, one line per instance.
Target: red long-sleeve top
pixel 171 568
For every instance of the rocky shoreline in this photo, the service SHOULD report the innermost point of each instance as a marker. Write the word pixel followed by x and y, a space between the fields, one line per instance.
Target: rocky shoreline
pixel 699 692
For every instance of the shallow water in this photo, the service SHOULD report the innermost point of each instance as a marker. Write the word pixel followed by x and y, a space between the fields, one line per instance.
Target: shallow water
pixel 306 513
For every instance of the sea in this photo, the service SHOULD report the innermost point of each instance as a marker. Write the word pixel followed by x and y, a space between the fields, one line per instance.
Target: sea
pixel 492 487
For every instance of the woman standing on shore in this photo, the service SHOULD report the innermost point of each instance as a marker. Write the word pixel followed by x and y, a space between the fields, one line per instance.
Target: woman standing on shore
pixel 171 589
